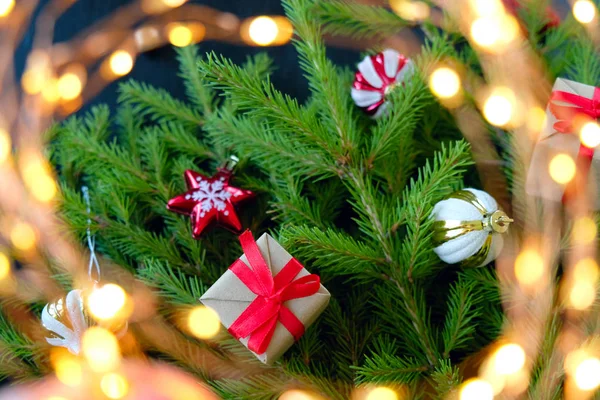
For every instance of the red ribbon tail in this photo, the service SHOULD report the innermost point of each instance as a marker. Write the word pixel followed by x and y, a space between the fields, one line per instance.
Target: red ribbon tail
pixel 261 337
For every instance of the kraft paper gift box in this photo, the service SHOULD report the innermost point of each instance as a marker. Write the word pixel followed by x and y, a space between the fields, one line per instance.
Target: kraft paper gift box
pixel 552 142
pixel 230 297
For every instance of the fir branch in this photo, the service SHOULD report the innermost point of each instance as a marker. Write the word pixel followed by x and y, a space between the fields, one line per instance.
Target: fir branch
pixel 445 378
pixel 157 104
pixel 324 79
pixel 358 20
pixel 197 91
pixel 181 139
pixel 292 207
pixel 585 64
pixel 462 311
pixel 176 288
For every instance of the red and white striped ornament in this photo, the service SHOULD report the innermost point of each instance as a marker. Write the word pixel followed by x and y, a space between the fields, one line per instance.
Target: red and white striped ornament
pixel 376 75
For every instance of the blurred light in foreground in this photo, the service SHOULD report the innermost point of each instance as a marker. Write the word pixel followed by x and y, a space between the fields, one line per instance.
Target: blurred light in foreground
pixel 204 322
pixel 5 145
pixel 179 35
pixel 22 236
pixel 444 82
pixel 586 270
pixel 587 374
pixel 582 295
pixel 493 33
pixel 121 62
pixel 114 386
pixel 263 30
pixel 147 38
pixel 6 6
pixel 410 10
pixel 34 170
pixel 529 267
pixel 68 371
pixel 56 398
pixel 382 393
pixel 69 86
pixel 50 91
pixel 295 394
pixel 107 301
pixel 509 359
pixel 487 7
pixel 499 107
pixel 476 389
pixel 584 230
pixel 562 168
pixel 101 349
pixel 4 265
pixel 536 118
pixel 584 11
pixel 590 134
pixel 173 3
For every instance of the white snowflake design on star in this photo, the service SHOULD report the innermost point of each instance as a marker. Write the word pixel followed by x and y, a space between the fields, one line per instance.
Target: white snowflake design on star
pixel 210 195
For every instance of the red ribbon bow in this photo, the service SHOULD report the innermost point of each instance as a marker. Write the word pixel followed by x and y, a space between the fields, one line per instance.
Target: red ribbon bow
pixel 566 114
pixel 260 318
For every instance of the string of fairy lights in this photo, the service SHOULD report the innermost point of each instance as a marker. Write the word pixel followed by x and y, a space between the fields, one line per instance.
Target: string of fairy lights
pixel 61 83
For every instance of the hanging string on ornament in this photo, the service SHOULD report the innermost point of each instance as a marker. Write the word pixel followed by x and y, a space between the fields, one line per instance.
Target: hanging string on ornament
pixel 210 199
pixel 67 318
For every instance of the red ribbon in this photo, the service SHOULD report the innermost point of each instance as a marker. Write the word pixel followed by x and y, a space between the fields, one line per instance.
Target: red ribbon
pixel 260 318
pixel 566 114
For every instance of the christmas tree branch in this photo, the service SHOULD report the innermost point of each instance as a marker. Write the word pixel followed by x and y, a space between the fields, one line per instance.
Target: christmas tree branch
pixel 195 88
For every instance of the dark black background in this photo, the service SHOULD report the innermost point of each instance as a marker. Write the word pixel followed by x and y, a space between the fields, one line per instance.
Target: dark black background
pixel 159 67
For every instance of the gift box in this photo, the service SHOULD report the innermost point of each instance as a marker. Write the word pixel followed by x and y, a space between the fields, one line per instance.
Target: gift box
pixel 266 298
pixel 571 104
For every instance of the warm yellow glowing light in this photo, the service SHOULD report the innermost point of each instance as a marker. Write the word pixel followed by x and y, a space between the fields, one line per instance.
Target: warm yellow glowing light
pixel 562 168
pixel 6 6
pixel 33 81
pixel 487 7
pixel 486 31
pixel 121 62
pixel 173 3
pixel 529 267
pixel 582 295
pixel 69 371
pixel 204 322
pixel 69 86
pixel 35 174
pixel 101 349
pixel 295 394
pixel 444 82
pixel 476 389
pixel 509 359
pixel 382 393
pixel 50 91
pixel 263 30
pixel 4 266
pixel 584 230
pixel 410 10
pixel 55 398
pixel 590 135
pixel 22 236
pixel 499 107
pixel 586 270
pixel 180 35
pixel 5 145
pixel 536 118
pixel 114 386
pixel 107 301
pixel 587 374
pixel 584 11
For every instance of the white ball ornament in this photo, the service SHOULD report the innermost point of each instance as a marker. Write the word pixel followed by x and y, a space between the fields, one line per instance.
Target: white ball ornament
pixel 468 228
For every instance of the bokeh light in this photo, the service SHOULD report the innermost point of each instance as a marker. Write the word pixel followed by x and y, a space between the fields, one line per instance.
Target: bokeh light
pixel 4 265
pixel 114 386
pixel 590 134
pixel 582 295
pixel 410 10
pixel 179 35
pixel 562 168
pixel 509 359
pixel 107 302
pixel 22 236
pixel 382 393
pixel 476 389
pixel 295 394
pixel 499 107
pixel 263 30
pixel 50 91
pixel 6 6
pixel 586 270
pixel 584 11
pixel 584 230
pixel 587 374
pixel 69 86
pixel 529 267
pixel 68 371
pixel 101 349
pixel 536 118
pixel 494 32
pixel 5 145
pixel 444 82
pixel 204 322
pixel 121 62
pixel 35 172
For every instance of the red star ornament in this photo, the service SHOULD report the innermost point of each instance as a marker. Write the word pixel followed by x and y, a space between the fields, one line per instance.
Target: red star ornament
pixel 208 200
